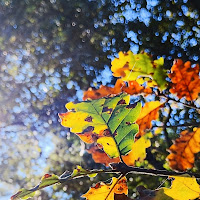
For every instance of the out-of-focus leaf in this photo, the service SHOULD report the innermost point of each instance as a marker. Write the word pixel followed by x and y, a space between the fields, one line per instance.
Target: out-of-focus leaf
pixel 185 80
pixel 107 121
pixel 141 68
pixel 46 180
pixel 80 171
pixel 182 152
pixel 107 191
pixel 149 112
pixel 120 86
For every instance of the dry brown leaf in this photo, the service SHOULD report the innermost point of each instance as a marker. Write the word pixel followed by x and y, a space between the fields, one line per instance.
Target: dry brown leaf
pixel 185 80
pixel 183 151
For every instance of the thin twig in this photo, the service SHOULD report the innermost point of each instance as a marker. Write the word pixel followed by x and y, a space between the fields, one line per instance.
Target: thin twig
pixel 178 125
pixel 171 99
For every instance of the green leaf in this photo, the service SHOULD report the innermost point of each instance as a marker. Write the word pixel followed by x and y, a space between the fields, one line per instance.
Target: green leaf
pixel 107 121
pixel 46 180
pixel 141 68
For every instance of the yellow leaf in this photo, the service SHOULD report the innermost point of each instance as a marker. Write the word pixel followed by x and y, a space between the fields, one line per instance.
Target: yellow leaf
pixel 101 190
pixel 183 188
pixel 138 152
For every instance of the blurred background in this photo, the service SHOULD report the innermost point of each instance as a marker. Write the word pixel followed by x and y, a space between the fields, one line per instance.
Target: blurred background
pixel 53 50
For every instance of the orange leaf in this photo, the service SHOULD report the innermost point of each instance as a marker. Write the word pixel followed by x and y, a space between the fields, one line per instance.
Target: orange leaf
pixel 120 86
pixel 99 156
pixel 184 149
pixel 102 191
pixel 185 80
pixel 149 112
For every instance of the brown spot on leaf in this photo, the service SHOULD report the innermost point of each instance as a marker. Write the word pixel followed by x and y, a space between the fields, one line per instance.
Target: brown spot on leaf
pixel 89 119
pixel 131 106
pixel 88 129
pixel 122 101
pixel 108 110
pixel 128 123
pixel 106 132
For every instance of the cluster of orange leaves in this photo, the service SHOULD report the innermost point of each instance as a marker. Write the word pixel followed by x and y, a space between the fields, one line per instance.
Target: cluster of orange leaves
pixel 185 82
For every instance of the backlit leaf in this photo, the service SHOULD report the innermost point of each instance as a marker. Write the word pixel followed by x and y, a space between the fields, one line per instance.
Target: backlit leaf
pixel 141 68
pixel 80 171
pixel 137 153
pixel 133 88
pixel 183 188
pixel 183 151
pixel 101 190
pixel 46 180
pixel 185 80
pixel 107 121
pixel 149 112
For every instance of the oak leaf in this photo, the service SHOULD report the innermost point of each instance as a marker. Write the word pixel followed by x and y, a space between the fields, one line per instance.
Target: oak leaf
pixel 102 191
pixel 149 112
pixel 183 151
pixel 185 80
pixel 133 88
pixel 109 122
pixel 141 68
pixel 182 188
pixel 137 153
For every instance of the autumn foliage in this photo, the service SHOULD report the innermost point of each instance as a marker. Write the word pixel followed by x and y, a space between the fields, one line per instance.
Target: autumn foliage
pixel 119 129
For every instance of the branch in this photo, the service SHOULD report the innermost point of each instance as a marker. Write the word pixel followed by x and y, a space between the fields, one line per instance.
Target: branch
pixel 178 125
pixel 152 172
pixel 178 101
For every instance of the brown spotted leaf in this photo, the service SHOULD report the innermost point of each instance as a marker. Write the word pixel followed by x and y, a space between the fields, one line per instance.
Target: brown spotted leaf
pixel 149 112
pixel 182 152
pixel 102 191
pixel 109 122
pixel 185 80
pixel 137 153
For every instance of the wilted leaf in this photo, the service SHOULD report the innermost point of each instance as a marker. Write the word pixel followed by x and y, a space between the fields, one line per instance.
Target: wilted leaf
pixel 149 112
pixel 183 151
pixel 46 180
pixel 101 190
pixel 141 68
pixel 120 86
pixel 185 80
pixel 107 121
